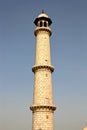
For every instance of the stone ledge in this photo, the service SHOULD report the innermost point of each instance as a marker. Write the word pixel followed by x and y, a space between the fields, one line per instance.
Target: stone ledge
pixel 44 67
pixel 43 107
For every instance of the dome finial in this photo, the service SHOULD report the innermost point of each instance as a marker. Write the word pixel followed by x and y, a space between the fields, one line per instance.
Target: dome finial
pixel 42 11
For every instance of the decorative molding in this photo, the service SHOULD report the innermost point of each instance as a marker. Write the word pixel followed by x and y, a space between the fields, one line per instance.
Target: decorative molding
pixel 43 67
pixel 39 29
pixel 43 107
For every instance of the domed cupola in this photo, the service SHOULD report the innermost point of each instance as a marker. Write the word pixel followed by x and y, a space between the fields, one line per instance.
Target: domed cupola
pixel 42 20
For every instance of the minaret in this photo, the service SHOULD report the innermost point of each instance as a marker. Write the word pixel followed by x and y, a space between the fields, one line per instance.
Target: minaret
pixel 42 107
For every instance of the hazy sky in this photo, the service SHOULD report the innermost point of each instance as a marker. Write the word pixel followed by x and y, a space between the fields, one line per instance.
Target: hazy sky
pixel 69 57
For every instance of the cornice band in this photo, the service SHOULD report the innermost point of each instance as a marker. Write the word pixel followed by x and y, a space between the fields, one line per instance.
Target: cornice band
pixel 38 67
pixel 42 107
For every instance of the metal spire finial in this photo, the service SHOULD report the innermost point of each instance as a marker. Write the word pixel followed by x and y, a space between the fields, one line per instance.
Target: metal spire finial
pixel 42 11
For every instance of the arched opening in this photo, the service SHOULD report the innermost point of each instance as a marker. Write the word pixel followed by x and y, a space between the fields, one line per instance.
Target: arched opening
pixel 45 25
pixel 41 24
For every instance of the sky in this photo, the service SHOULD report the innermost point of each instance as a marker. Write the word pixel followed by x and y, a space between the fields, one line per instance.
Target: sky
pixel 69 58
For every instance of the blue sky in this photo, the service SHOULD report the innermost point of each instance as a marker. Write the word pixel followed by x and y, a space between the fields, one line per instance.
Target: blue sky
pixel 69 57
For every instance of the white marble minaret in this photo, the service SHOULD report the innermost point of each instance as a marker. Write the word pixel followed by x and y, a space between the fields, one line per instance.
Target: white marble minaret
pixel 43 107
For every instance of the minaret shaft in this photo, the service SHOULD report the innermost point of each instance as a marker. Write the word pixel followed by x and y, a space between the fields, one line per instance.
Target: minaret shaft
pixel 43 48
pixel 43 107
pixel 43 88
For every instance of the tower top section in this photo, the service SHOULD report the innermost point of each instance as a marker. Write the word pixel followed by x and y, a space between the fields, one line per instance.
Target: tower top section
pixel 43 17
pixel 43 14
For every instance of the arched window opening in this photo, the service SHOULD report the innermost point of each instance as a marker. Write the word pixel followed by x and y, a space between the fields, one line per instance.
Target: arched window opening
pixel 41 24
pixel 45 25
